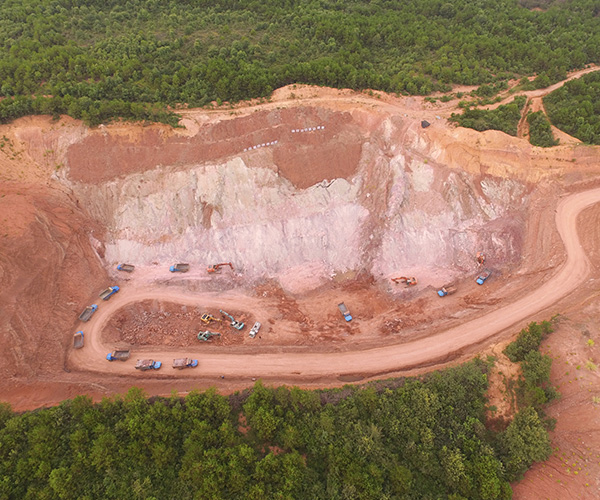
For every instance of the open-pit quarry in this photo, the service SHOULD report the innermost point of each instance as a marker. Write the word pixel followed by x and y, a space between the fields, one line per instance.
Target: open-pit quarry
pixel 316 197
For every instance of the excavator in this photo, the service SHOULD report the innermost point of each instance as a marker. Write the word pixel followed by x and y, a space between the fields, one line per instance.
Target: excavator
pixel 480 259
pixel 208 318
pixel 204 336
pixel 215 268
pixel 407 281
pixel 238 325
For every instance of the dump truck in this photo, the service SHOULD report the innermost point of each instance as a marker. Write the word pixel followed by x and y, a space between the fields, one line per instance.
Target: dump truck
pixel 78 340
pixel 147 364
pixel 344 310
pixel 118 355
pixel 204 336
pixel 181 363
pixel 238 325
pixel 88 312
pixel 128 268
pixel 483 276
pixel 109 292
pixel 446 290
pixel 254 330
pixel 180 268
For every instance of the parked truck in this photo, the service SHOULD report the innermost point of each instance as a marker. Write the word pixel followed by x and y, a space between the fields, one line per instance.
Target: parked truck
pixel 446 290
pixel 181 363
pixel 180 268
pixel 344 310
pixel 88 312
pixel 483 276
pixel 118 355
pixel 128 268
pixel 255 329
pixel 147 364
pixel 78 340
pixel 109 292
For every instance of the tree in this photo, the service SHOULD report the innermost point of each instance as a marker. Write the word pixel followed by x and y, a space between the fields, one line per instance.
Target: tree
pixel 525 441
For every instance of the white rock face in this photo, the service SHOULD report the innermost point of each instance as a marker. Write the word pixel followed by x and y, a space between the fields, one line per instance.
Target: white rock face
pixel 400 211
pixel 228 212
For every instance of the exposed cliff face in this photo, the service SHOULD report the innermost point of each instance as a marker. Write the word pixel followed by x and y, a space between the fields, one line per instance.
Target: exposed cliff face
pixel 393 209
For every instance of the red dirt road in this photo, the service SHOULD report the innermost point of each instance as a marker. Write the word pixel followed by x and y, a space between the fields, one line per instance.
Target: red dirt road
pixel 289 366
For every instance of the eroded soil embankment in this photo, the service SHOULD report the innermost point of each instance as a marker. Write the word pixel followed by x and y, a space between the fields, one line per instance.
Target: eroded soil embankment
pixel 333 147
pixel 48 271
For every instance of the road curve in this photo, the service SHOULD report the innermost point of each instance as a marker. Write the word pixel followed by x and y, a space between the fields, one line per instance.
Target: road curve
pixel 290 366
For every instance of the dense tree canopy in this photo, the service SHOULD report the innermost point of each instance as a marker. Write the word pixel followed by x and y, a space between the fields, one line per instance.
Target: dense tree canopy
pixel 504 118
pixel 99 59
pixel 540 131
pixel 575 108
pixel 412 438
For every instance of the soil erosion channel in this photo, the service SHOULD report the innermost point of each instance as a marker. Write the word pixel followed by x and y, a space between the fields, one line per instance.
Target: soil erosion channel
pixel 389 359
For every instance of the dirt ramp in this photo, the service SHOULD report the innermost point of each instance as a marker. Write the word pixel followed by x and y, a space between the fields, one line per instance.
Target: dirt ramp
pixel 47 271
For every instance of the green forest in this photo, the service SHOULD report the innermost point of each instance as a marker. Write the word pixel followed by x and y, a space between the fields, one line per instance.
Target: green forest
pixel 141 59
pixel 414 438
pixel 575 108
pixel 504 118
pixel 540 131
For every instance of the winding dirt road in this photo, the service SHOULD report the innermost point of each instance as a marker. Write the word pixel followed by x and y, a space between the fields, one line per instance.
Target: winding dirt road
pixel 287 365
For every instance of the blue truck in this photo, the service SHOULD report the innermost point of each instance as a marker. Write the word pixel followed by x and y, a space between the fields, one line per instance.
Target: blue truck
pixel 180 268
pixel 181 363
pixel 344 310
pixel 88 312
pixel 147 364
pixel 446 290
pixel 483 276
pixel 128 268
pixel 109 292
pixel 78 340
pixel 118 355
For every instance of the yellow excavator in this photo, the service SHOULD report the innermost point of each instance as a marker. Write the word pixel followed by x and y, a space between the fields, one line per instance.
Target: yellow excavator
pixel 407 281
pixel 215 268
pixel 208 318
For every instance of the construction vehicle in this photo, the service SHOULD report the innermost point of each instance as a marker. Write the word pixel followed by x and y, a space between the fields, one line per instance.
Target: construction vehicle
pixel 407 281
pixel 254 330
pixel 483 276
pixel 109 292
pixel 88 312
pixel 208 318
pixel 119 355
pixel 215 268
pixel 181 363
pixel 180 268
pixel 128 268
pixel 206 335
pixel 446 290
pixel 238 325
pixel 147 364
pixel 78 340
pixel 344 310
pixel 480 258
